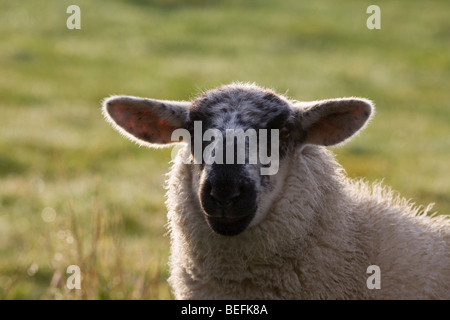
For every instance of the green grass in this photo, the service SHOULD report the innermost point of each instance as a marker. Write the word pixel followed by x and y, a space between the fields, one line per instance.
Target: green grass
pixel 73 191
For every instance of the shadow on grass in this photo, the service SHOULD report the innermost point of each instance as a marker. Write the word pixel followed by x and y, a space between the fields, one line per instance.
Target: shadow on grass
pixel 9 165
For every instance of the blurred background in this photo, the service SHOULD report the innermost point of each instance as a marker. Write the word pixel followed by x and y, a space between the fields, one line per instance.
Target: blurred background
pixel 74 192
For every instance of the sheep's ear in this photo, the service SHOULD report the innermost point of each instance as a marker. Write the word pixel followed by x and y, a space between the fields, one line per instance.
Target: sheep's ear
pixel 146 121
pixel 331 122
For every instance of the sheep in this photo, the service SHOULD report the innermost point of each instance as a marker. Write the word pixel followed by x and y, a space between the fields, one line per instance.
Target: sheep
pixel 306 231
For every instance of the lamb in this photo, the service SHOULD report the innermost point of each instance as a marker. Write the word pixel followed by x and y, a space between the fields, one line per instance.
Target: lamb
pixel 304 232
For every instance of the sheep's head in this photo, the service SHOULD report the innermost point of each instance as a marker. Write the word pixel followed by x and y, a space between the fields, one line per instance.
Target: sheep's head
pixel 240 137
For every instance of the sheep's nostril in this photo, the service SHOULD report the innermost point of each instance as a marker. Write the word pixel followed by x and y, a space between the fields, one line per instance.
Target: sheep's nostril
pixel 224 199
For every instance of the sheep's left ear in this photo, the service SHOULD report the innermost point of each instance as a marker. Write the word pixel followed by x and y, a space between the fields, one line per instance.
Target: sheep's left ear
pixel 149 122
pixel 330 122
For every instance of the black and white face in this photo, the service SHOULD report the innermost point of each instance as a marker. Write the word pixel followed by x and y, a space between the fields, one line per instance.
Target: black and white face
pixel 241 137
pixel 232 193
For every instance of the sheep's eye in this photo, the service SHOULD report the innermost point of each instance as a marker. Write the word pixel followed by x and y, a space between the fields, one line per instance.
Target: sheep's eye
pixel 285 133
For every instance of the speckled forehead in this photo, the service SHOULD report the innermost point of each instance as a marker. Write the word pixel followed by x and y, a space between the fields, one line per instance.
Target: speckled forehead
pixel 239 108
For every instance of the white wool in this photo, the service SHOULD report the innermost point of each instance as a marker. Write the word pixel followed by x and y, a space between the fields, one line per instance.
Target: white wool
pixel 315 232
pixel 321 234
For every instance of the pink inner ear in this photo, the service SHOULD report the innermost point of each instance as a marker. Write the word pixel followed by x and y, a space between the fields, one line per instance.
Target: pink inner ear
pixel 141 122
pixel 339 126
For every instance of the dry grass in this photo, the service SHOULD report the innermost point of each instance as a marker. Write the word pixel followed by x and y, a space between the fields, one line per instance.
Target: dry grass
pixel 102 257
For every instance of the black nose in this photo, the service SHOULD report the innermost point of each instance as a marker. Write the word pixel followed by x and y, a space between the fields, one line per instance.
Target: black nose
pixel 228 200
pixel 225 198
pixel 229 206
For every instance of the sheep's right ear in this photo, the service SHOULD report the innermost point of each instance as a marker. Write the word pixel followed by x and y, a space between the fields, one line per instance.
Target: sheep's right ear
pixel 146 121
pixel 334 121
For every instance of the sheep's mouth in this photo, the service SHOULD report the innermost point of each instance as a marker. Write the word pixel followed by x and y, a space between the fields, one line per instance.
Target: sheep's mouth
pixel 229 226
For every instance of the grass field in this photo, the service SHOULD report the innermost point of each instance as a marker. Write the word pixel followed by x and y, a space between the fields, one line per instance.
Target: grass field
pixel 72 191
